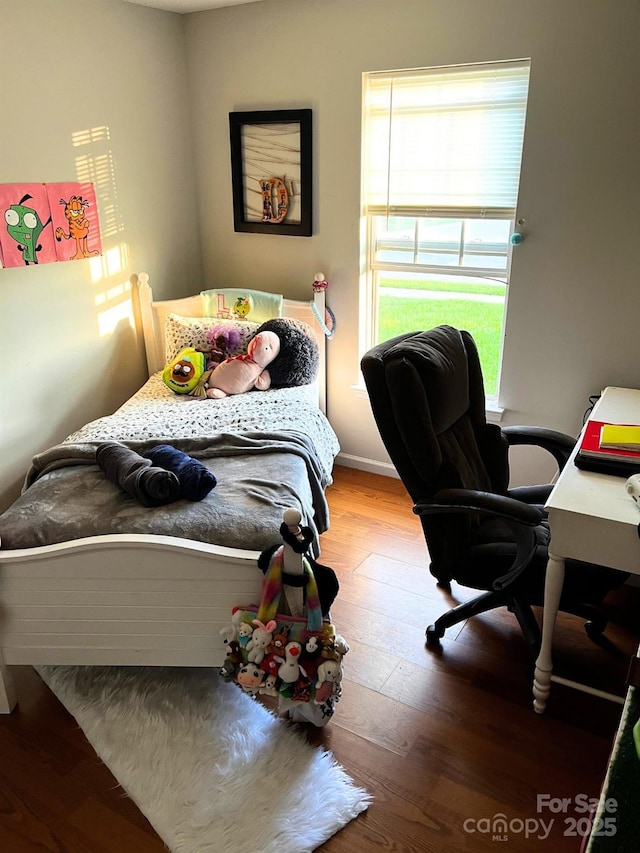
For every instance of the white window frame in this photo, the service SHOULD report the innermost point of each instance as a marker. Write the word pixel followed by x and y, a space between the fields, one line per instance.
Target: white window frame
pixel 373 267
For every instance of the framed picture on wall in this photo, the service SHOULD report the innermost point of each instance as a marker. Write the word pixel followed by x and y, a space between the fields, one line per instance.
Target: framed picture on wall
pixel 271 171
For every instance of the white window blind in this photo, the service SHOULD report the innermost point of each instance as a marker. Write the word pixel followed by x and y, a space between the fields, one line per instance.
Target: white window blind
pixel 444 141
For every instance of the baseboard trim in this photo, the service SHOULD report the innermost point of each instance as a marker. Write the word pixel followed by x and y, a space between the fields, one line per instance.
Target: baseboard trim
pixel 385 469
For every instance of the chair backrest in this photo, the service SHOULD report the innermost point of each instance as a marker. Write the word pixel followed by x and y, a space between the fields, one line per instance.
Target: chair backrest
pixel 427 396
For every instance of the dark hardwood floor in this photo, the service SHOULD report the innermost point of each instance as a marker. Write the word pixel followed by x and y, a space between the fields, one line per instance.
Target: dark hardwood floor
pixel 445 740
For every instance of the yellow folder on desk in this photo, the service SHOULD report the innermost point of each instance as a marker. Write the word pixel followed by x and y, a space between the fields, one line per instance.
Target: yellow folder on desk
pixel 620 437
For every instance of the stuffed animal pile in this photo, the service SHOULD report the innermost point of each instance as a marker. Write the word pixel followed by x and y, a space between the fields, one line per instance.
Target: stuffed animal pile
pixel 282 658
pixel 283 353
pixel 297 659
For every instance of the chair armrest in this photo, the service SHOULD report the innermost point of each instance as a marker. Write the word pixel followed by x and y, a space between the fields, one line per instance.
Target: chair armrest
pixel 558 444
pixel 466 500
pixel 520 518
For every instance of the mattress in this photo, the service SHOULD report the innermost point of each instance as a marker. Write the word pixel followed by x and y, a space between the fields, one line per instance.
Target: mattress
pixel 269 450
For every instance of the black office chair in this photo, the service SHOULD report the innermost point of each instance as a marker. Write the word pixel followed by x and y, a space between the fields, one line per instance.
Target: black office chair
pixel 428 401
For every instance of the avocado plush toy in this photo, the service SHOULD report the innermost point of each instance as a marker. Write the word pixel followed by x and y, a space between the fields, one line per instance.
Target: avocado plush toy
pixel 185 373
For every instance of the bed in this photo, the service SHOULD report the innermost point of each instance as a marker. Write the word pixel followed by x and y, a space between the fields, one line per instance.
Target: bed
pixel 88 576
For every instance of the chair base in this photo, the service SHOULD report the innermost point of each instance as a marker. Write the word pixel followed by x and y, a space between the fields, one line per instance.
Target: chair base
pixel 595 620
pixel 480 604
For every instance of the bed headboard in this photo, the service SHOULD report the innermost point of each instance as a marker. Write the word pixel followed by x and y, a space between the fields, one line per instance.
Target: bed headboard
pixel 153 315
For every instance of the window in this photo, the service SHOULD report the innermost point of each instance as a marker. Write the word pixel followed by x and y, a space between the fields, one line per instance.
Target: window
pixel 441 167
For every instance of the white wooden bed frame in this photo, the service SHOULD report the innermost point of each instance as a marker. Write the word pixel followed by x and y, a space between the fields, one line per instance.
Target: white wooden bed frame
pixel 130 600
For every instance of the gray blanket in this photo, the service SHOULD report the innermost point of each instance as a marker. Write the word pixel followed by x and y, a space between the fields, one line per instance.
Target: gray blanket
pixel 260 474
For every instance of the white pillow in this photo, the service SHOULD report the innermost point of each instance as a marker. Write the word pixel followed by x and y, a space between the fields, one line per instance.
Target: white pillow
pixel 200 333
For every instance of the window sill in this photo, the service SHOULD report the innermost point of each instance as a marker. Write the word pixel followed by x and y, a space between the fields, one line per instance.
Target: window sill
pixel 494 411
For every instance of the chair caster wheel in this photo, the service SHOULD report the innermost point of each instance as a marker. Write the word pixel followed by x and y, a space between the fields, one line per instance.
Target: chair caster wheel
pixel 433 635
pixel 594 630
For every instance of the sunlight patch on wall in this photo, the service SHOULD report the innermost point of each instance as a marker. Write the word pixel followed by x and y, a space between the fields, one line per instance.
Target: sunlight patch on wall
pixel 114 306
pixel 96 164
pixel 110 263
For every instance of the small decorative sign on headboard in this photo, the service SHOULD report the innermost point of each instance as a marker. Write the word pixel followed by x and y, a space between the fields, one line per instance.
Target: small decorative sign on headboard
pixel 44 223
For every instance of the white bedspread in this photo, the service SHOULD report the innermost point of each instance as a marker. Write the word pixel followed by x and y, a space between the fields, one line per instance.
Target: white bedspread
pixel 156 412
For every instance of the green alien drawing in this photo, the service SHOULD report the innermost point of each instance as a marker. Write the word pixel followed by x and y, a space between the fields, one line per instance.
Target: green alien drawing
pixel 25 226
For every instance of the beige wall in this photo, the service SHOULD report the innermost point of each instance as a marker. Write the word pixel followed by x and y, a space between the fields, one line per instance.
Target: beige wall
pixel 67 343
pixel 157 80
pixel 574 310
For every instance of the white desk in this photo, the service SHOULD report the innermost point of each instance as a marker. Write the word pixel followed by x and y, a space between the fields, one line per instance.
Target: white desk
pixel 591 518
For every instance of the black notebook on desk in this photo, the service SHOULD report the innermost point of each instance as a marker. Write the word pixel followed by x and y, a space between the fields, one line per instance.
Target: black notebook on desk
pixel 591 456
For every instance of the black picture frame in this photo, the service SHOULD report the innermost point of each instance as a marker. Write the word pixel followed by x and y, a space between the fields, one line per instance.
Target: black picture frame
pixel 274 145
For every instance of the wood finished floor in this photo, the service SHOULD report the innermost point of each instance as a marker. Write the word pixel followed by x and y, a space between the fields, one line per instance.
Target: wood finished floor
pixel 438 737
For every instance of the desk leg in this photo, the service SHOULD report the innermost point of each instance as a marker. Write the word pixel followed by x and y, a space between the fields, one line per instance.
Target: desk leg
pixel 544 666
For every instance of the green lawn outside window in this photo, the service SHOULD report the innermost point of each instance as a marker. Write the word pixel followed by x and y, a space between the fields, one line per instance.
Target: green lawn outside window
pixel 399 314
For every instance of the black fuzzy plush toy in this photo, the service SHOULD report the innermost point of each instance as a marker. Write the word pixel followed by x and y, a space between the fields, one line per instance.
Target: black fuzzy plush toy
pixel 298 359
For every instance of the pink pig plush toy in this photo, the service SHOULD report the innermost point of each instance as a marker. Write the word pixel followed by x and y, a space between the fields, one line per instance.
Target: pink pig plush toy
pixel 244 372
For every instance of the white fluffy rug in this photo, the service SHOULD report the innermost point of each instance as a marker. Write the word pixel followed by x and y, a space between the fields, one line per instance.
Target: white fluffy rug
pixel 210 768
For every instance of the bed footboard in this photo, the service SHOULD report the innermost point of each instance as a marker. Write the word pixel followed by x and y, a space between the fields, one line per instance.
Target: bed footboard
pixel 7 692
pixel 120 600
